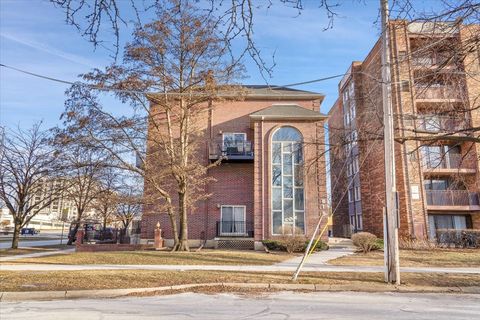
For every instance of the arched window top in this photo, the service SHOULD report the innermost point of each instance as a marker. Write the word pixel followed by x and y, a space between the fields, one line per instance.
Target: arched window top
pixel 287 134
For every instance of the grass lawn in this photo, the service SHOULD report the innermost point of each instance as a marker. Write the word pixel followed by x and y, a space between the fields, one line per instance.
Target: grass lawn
pixel 204 257
pixel 465 258
pixel 104 279
pixel 14 252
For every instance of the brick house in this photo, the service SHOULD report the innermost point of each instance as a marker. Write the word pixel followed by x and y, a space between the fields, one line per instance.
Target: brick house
pixel 435 94
pixel 272 177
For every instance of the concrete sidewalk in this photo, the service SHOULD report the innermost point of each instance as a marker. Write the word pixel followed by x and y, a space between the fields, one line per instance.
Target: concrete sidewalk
pixel 35 255
pixel 273 268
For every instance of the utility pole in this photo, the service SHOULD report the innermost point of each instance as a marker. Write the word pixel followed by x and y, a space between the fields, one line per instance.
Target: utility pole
pixel 391 221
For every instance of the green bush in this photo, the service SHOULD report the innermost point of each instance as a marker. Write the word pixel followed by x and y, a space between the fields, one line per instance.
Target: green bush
pixel 378 245
pixel 319 247
pixel 365 241
pixel 280 245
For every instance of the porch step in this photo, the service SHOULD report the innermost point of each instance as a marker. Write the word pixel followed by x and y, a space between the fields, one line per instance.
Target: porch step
pixel 340 243
pixel 239 244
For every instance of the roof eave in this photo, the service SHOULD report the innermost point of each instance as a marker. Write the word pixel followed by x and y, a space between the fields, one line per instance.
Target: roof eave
pixel 298 118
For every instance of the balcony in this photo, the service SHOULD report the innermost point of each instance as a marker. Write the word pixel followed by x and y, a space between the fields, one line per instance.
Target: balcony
pixel 433 62
pixel 456 200
pixel 233 151
pixel 235 229
pixel 438 93
pixel 432 123
pixel 448 163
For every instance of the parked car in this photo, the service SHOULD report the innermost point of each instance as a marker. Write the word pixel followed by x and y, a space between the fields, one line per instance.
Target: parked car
pixel 30 231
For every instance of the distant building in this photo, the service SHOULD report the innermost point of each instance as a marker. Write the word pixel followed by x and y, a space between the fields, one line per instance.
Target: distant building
pixel 50 217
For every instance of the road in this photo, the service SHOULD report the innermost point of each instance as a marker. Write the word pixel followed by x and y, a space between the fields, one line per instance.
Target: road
pixel 282 305
pixel 32 243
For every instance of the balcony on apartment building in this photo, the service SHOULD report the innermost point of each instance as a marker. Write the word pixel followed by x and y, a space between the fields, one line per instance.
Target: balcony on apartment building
pixel 434 61
pixel 452 200
pixel 231 150
pixel 438 164
pixel 435 123
pixel 437 93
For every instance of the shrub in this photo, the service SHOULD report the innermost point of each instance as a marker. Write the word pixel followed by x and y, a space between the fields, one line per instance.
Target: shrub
pixel 378 245
pixel 319 247
pixel 283 245
pixel 365 241
pixel 464 238
pixel 417 244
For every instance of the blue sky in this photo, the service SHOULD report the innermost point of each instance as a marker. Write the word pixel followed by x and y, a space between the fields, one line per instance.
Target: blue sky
pixel 34 37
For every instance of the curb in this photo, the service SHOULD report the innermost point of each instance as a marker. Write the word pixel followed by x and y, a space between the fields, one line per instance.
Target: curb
pixel 10 296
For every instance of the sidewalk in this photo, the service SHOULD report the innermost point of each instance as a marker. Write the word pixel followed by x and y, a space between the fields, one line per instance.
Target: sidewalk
pixel 273 268
pixel 35 255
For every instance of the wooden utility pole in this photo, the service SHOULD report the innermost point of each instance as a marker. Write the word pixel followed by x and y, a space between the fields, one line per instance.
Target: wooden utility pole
pixel 391 221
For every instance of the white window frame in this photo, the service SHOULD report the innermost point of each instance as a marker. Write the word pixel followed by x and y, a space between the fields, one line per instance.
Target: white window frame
pixel 357 192
pixel 359 218
pixel 233 206
pixel 350 193
pixel 293 183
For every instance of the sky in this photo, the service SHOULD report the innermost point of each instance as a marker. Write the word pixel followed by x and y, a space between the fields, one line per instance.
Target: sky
pixel 35 37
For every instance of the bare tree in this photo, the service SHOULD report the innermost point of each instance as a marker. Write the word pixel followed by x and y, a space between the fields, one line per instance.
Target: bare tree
pixel 83 169
pixel 105 202
pixel 28 176
pixel 130 202
pixel 172 71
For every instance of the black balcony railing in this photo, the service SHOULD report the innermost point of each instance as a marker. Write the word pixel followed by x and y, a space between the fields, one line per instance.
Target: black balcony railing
pixel 232 150
pixel 452 198
pixel 234 229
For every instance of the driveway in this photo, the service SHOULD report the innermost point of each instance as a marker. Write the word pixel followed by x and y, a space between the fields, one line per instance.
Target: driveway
pixel 281 305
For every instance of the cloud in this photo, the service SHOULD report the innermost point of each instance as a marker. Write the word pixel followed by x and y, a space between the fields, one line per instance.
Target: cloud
pixel 48 49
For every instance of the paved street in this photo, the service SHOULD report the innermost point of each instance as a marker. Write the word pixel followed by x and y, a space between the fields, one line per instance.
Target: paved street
pixel 283 305
pixel 31 243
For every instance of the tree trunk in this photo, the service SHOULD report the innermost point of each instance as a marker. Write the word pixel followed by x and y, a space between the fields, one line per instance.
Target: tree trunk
pixel 74 233
pixel 173 222
pixel 104 227
pixel 183 241
pixel 16 234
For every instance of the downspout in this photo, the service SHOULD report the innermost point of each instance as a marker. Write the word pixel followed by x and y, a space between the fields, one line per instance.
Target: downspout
pixel 209 144
pixel 263 178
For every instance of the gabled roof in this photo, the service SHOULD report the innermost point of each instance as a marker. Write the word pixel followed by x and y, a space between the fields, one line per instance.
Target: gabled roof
pixel 287 112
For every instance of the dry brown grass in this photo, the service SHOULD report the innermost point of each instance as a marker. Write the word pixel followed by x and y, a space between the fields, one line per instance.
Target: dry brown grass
pixel 465 258
pixel 204 257
pixel 105 279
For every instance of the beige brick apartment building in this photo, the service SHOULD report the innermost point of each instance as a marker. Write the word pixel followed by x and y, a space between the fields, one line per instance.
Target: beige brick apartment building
pixel 272 177
pixel 436 98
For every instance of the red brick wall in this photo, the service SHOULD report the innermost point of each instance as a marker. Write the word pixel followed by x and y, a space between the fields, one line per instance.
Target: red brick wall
pixel 240 183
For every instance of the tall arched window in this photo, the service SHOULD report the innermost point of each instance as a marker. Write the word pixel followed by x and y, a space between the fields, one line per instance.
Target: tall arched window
pixel 288 205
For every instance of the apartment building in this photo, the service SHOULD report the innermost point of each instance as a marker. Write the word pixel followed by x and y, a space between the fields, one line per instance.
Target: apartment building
pixel 263 185
pixel 436 94
pixel 52 216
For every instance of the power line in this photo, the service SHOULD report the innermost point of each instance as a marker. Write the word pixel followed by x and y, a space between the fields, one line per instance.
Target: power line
pixel 146 92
